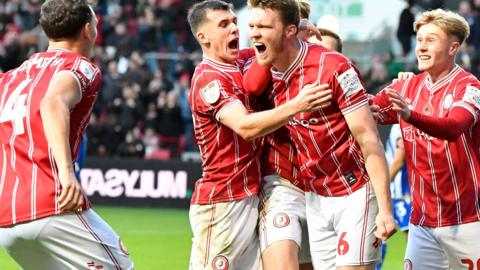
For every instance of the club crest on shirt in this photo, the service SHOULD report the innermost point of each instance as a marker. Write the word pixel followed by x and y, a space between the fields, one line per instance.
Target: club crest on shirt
pixel 211 92
pixel 448 101
pixel 220 263
pixel 472 95
pixel 350 82
pixel 281 220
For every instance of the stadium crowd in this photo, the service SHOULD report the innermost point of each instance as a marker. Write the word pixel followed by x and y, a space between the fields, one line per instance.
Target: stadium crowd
pixel 148 55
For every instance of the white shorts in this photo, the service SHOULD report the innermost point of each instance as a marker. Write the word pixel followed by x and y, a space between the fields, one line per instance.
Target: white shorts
pixel 225 236
pixel 341 229
pixel 68 241
pixel 451 247
pixel 282 215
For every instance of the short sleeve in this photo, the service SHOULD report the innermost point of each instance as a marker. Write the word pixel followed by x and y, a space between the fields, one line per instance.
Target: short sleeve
pixel 348 89
pixel 468 96
pixel 87 75
pixel 213 95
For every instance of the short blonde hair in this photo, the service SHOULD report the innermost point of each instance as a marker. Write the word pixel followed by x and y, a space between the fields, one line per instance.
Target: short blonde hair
pixel 452 23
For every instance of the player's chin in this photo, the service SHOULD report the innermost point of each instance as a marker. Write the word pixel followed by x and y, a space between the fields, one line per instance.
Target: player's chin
pixel 264 61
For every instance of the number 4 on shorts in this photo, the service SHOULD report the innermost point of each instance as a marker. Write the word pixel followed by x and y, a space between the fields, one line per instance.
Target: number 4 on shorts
pixel 15 109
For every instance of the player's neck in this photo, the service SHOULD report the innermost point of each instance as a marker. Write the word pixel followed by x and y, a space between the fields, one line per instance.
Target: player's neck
pixel 72 46
pixel 214 57
pixel 287 56
pixel 435 75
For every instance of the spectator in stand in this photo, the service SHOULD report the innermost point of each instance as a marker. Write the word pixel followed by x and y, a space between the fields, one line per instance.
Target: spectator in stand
pixel 170 127
pixel 405 31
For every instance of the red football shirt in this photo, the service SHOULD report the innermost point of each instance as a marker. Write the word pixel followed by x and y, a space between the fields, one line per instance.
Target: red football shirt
pixel 29 183
pixel 279 153
pixel 231 165
pixel 329 156
pixel 444 175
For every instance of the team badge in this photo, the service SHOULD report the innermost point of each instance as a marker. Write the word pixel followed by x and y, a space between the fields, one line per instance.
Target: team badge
pixel 350 82
pixel 428 109
pixel 220 263
pixel 281 220
pixel 448 101
pixel 122 247
pixel 407 265
pixel 472 95
pixel 211 92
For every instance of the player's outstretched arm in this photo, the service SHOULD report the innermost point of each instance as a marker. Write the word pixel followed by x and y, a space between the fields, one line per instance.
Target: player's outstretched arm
pixel 364 130
pixel 457 122
pixel 62 95
pixel 253 125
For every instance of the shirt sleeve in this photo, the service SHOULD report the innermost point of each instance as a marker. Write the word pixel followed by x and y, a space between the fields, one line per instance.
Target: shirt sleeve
pixel 457 122
pixel 213 95
pixel 87 75
pixel 468 96
pixel 256 78
pixel 348 89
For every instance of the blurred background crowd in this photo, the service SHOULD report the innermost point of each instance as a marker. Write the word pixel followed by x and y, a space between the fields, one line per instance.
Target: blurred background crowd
pixel 147 55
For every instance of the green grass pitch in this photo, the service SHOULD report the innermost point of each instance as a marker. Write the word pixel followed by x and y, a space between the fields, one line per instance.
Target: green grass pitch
pixel 160 239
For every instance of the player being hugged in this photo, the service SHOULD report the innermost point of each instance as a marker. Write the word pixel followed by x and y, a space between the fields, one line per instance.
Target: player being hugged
pixel 347 209
pixel 224 205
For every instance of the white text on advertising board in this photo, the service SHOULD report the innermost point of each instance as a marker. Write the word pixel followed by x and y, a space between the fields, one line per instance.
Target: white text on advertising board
pixel 134 184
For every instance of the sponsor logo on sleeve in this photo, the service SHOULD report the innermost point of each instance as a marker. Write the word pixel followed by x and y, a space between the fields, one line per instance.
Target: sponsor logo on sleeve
pixel 86 69
pixel 211 92
pixel 350 82
pixel 472 96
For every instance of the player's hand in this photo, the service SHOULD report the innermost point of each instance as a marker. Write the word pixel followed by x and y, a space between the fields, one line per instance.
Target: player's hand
pixel 385 226
pixel 71 198
pixel 307 29
pixel 313 97
pixel 374 109
pixel 398 104
pixel 402 76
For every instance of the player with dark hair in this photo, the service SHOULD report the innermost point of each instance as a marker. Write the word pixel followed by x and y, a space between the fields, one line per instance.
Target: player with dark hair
pixel 45 104
pixel 224 206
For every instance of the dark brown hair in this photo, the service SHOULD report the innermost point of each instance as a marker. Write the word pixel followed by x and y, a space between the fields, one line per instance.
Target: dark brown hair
pixel 64 19
pixel 196 14
pixel 288 9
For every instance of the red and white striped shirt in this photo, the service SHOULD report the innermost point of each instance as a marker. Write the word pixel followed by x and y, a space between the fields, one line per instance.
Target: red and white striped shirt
pixel 231 165
pixel 279 153
pixel 330 157
pixel 444 175
pixel 29 183
pixel 280 157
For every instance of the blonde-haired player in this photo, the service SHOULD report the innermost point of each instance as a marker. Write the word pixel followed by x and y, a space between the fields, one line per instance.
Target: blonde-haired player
pixel 439 110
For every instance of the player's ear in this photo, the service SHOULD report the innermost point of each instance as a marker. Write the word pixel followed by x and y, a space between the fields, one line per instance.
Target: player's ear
pixel 454 47
pixel 202 38
pixel 291 31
